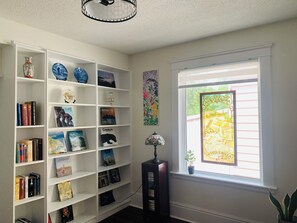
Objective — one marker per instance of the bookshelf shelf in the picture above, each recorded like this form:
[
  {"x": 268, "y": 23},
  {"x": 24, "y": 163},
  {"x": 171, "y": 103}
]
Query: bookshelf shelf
[
  {"x": 71, "y": 153},
  {"x": 117, "y": 165},
  {"x": 112, "y": 89},
  {"x": 111, "y": 126},
  {"x": 30, "y": 127},
  {"x": 67, "y": 104},
  {"x": 71, "y": 128},
  {"x": 70, "y": 83},
  {"x": 73, "y": 176},
  {"x": 29, "y": 163},
  {"x": 105, "y": 209},
  {"x": 112, "y": 147},
  {"x": 28, "y": 200},
  {"x": 113, "y": 186},
  {"x": 29, "y": 80}
]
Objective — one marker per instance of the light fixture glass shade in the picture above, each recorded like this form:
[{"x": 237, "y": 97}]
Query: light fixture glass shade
[
  {"x": 109, "y": 10},
  {"x": 155, "y": 140}
]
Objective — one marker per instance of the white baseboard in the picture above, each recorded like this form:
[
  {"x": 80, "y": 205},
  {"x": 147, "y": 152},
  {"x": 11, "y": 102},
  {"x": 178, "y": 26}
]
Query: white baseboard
[{"x": 195, "y": 214}]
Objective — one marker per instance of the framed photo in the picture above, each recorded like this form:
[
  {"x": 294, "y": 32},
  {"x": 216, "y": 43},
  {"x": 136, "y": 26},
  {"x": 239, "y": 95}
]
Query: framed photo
[
  {"x": 76, "y": 140},
  {"x": 109, "y": 136},
  {"x": 63, "y": 166},
  {"x": 64, "y": 116},
  {"x": 114, "y": 175},
  {"x": 106, "y": 79},
  {"x": 106, "y": 198},
  {"x": 103, "y": 179},
  {"x": 67, "y": 214},
  {"x": 107, "y": 116},
  {"x": 107, "y": 157}
]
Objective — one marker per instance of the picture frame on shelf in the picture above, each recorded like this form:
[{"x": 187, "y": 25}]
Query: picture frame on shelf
[
  {"x": 67, "y": 214},
  {"x": 108, "y": 157},
  {"x": 64, "y": 116},
  {"x": 114, "y": 175},
  {"x": 103, "y": 179},
  {"x": 76, "y": 140},
  {"x": 56, "y": 143},
  {"x": 108, "y": 116},
  {"x": 65, "y": 190},
  {"x": 109, "y": 136},
  {"x": 106, "y": 79},
  {"x": 106, "y": 198},
  {"x": 63, "y": 166}
]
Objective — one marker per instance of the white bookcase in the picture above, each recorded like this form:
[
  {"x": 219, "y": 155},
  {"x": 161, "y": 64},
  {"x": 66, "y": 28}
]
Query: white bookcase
[{"x": 86, "y": 164}]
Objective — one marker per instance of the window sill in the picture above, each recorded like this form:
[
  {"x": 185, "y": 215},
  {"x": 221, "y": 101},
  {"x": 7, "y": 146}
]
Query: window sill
[{"x": 223, "y": 182}]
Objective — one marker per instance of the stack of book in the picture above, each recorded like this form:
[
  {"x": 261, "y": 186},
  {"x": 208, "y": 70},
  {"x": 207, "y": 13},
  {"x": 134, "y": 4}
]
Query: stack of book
[
  {"x": 27, "y": 186},
  {"x": 29, "y": 150},
  {"x": 26, "y": 113}
]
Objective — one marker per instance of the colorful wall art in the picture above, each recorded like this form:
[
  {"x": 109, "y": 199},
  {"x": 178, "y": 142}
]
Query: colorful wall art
[
  {"x": 150, "y": 98},
  {"x": 218, "y": 127}
]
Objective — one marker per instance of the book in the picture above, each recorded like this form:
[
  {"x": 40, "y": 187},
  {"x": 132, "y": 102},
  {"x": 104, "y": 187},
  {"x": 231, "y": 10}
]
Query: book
[
  {"x": 63, "y": 166},
  {"x": 24, "y": 110},
  {"x": 109, "y": 136},
  {"x": 17, "y": 188},
  {"x": 65, "y": 190},
  {"x": 56, "y": 143},
  {"x": 31, "y": 185},
  {"x": 106, "y": 79},
  {"x": 107, "y": 157},
  {"x": 64, "y": 116},
  {"x": 29, "y": 112},
  {"x": 106, "y": 198},
  {"x": 76, "y": 140},
  {"x": 33, "y": 112},
  {"x": 19, "y": 114},
  {"x": 108, "y": 116},
  {"x": 29, "y": 151},
  {"x": 22, "y": 187},
  {"x": 49, "y": 219},
  {"x": 36, "y": 177},
  {"x": 102, "y": 179},
  {"x": 67, "y": 214},
  {"x": 114, "y": 175}
]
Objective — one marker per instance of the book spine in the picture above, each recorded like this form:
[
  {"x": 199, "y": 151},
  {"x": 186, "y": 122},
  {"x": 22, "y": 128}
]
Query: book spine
[
  {"x": 37, "y": 183},
  {"x": 33, "y": 111},
  {"x": 35, "y": 148},
  {"x": 19, "y": 114},
  {"x": 40, "y": 156},
  {"x": 31, "y": 186},
  {"x": 24, "y": 114},
  {"x": 17, "y": 188},
  {"x": 26, "y": 186},
  {"x": 22, "y": 187},
  {"x": 29, "y": 112},
  {"x": 22, "y": 155},
  {"x": 29, "y": 151},
  {"x": 17, "y": 154}
]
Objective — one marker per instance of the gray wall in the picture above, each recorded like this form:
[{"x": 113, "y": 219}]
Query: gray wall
[{"x": 204, "y": 202}]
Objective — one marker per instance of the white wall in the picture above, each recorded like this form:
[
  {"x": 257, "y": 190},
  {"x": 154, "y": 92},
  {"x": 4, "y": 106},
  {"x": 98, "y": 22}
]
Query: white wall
[
  {"x": 219, "y": 203},
  {"x": 35, "y": 37}
]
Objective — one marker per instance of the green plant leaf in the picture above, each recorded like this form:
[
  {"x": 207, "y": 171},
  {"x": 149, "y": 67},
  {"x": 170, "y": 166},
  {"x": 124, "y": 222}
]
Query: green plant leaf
[
  {"x": 286, "y": 203},
  {"x": 293, "y": 205},
  {"x": 277, "y": 205}
]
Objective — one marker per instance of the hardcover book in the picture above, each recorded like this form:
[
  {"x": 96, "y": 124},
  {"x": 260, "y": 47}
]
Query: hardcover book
[
  {"x": 107, "y": 116},
  {"x": 56, "y": 143},
  {"x": 103, "y": 179},
  {"x": 36, "y": 177},
  {"x": 109, "y": 136},
  {"x": 114, "y": 175},
  {"x": 65, "y": 191},
  {"x": 64, "y": 116},
  {"x": 107, "y": 157},
  {"x": 106, "y": 198},
  {"x": 106, "y": 79},
  {"x": 76, "y": 140},
  {"x": 67, "y": 214},
  {"x": 63, "y": 166}
]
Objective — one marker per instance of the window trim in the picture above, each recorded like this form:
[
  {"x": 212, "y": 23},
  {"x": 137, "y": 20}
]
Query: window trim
[{"x": 263, "y": 55}]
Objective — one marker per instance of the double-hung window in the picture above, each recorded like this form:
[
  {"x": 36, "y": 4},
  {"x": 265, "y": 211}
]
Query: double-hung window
[{"x": 224, "y": 115}]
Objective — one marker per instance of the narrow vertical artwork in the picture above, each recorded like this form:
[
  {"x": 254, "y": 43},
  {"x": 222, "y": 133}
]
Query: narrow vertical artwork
[
  {"x": 150, "y": 98},
  {"x": 218, "y": 127}
]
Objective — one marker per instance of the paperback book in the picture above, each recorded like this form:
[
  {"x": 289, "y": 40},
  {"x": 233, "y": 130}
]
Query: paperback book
[
  {"x": 114, "y": 175},
  {"x": 109, "y": 136},
  {"x": 107, "y": 116},
  {"x": 103, "y": 179},
  {"x": 65, "y": 191},
  {"x": 106, "y": 198},
  {"x": 107, "y": 157},
  {"x": 67, "y": 214},
  {"x": 106, "y": 79},
  {"x": 63, "y": 166},
  {"x": 56, "y": 143},
  {"x": 64, "y": 116},
  {"x": 76, "y": 140}
]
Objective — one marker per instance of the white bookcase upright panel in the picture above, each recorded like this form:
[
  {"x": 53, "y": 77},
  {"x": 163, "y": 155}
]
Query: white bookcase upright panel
[
  {"x": 84, "y": 162},
  {"x": 122, "y": 151}
]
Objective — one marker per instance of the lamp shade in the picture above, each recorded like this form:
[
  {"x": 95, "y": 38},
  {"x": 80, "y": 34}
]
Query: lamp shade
[
  {"x": 109, "y": 10},
  {"x": 155, "y": 140}
]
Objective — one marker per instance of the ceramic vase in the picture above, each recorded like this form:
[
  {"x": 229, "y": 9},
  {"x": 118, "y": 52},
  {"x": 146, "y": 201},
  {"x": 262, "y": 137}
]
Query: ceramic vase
[
  {"x": 28, "y": 67},
  {"x": 191, "y": 169}
]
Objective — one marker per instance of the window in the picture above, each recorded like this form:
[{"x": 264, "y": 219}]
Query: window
[{"x": 231, "y": 146}]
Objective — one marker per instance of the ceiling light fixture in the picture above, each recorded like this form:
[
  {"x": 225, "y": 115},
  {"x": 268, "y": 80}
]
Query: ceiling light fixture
[{"x": 109, "y": 10}]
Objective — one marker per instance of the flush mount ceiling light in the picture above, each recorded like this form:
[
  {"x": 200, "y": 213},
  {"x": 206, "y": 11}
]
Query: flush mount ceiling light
[{"x": 109, "y": 10}]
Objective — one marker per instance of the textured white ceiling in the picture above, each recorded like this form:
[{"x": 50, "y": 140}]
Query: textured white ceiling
[{"x": 158, "y": 23}]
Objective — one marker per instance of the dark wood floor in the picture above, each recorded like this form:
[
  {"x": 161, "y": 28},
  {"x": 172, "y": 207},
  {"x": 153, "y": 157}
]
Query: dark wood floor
[{"x": 133, "y": 215}]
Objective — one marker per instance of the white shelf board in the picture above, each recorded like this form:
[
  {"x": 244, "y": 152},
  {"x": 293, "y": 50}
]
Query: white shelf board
[
  {"x": 56, "y": 205},
  {"x": 71, "y": 104},
  {"x": 53, "y": 55},
  {"x": 69, "y": 83},
  {"x": 112, "y": 89},
  {"x": 28, "y": 200},
  {"x": 29, "y": 163},
  {"x": 104, "y": 209},
  {"x": 73, "y": 176},
  {"x": 71, "y": 128},
  {"x": 71, "y": 153},
  {"x": 29, "y": 80},
  {"x": 119, "y": 164},
  {"x": 113, "y": 186},
  {"x": 84, "y": 218},
  {"x": 112, "y": 147},
  {"x": 29, "y": 126},
  {"x": 114, "y": 106},
  {"x": 113, "y": 126}
]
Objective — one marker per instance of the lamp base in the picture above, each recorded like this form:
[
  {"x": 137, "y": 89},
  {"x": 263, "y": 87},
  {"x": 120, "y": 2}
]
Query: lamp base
[{"x": 155, "y": 160}]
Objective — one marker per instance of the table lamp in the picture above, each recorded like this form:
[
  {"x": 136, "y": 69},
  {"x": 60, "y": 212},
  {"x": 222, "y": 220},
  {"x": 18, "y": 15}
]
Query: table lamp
[{"x": 155, "y": 140}]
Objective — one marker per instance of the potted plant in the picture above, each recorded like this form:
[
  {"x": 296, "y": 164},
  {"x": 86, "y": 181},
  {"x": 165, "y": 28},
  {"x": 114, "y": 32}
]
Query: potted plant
[
  {"x": 190, "y": 158},
  {"x": 287, "y": 209}
]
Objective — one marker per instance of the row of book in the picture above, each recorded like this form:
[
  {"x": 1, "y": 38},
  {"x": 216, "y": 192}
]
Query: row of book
[
  {"x": 26, "y": 113},
  {"x": 112, "y": 176},
  {"x": 29, "y": 150},
  {"x": 27, "y": 186}
]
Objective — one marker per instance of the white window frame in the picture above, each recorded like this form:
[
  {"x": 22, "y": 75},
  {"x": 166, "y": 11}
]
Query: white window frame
[{"x": 263, "y": 55}]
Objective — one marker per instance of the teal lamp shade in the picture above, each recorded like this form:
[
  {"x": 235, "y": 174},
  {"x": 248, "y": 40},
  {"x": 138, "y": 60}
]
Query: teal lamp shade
[{"x": 155, "y": 140}]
